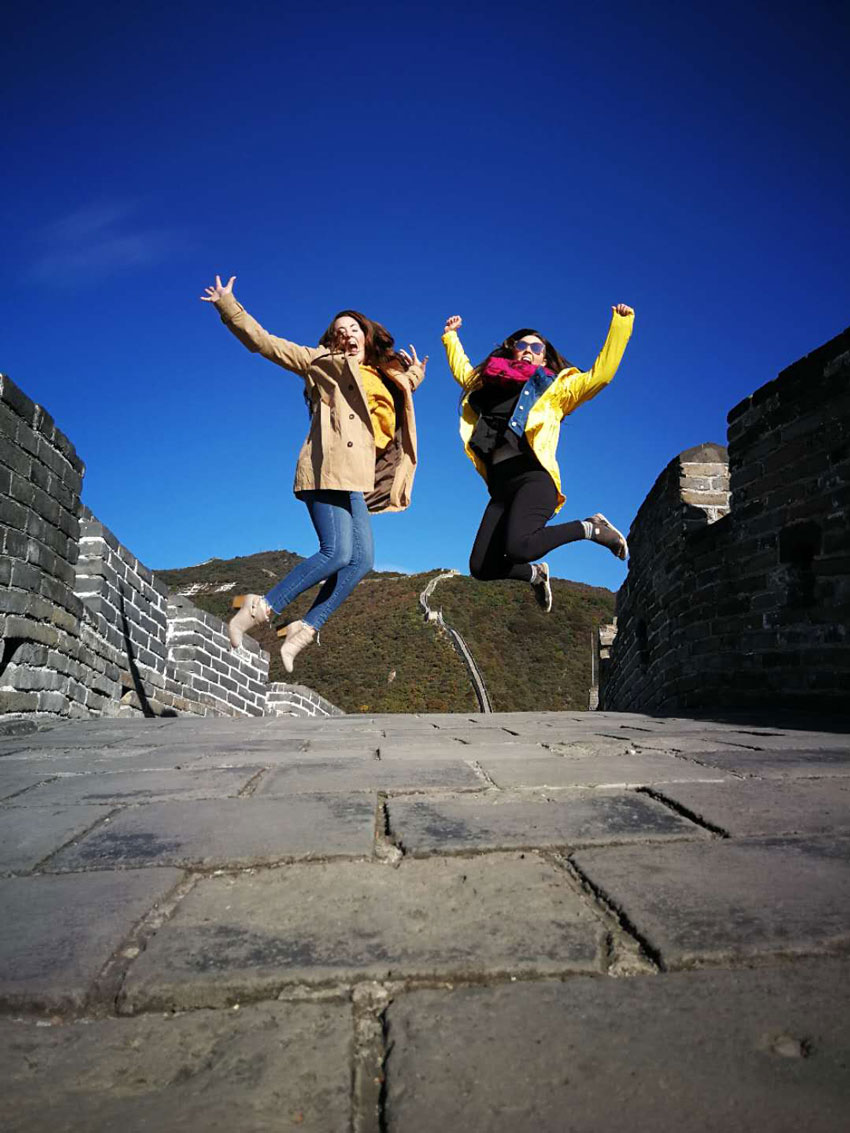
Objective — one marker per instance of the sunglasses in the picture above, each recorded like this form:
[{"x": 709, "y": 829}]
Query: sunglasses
[{"x": 534, "y": 347}]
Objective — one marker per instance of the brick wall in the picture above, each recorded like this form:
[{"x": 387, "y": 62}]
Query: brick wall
[
  {"x": 86, "y": 629},
  {"x": 296, "y": 700},
  {"x": 205, "y": 670},
  {"x": 745, "y": 599}
]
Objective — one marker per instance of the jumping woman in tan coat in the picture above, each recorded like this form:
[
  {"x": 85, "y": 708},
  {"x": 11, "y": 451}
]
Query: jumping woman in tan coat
[{"x": 359, "y": 455}]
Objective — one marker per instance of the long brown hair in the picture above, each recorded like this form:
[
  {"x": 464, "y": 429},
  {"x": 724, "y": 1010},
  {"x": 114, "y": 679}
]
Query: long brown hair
[
  {"x": 378, "y": 344},
  {"x": 553, "y": 359}
]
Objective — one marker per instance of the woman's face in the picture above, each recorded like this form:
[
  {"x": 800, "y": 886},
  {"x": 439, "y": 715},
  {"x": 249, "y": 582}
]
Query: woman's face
[
  {"x": 349, "y": 338},
  {"x": 530, "y": 348}
]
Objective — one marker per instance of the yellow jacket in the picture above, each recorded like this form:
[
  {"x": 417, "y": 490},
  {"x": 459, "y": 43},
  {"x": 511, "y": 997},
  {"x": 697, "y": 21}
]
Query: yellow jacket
[{"x": 567, "y": 391}]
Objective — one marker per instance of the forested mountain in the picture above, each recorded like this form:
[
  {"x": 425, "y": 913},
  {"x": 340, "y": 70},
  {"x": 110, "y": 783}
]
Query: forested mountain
[{"x": 378, "y": 654}]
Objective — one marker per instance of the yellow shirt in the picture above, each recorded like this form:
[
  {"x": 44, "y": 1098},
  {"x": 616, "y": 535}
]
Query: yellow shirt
[
  {"x": 570, "y": 389},
  {"x": 381, "y": 407}
]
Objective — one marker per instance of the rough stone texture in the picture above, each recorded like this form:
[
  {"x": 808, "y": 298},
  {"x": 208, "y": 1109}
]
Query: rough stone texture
[
  {"x": 221, "y": 832},
  {"x": 722, "y": 901},
  {"x": 780, "y": 764},
  {"x": 272, "y": 1066},
  {"x": 818, "y": 806},
  {"x": 501, "y": 821},
  {"x": 697, "y": 1051},
  {"x": 748, "y": 604},
  {"x": 598, "y": 771},
  {"x": 57, "y": 933},
  {"x": 27, "y": 838},
  {"x": 250, "y": 935},
  {"x": 352, "y": 774},
  {"x": 137, "y": 787},
  {"x": 498, "y": 971}
]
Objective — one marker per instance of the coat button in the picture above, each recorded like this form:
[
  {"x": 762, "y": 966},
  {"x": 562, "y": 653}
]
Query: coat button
[
  {"x": 351, "y": 444},
  {"x": 513, "y": 422},
  {"x": 351, "y": 388},
  {"x": 350, "y": 416}
]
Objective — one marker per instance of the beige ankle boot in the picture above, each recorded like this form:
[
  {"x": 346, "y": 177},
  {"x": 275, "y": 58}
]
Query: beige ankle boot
[
  {"x": 297, "y": 635},
  {"x": 253, "y": 611}
]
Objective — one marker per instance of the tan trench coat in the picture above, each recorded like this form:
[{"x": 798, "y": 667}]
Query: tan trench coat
[{"x": 339, "y": 452}]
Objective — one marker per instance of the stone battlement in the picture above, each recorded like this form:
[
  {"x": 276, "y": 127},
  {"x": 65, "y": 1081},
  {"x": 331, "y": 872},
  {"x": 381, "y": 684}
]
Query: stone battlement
[
  {"x": 738, "y": 591},
  {"x": 87, "y": 629}
]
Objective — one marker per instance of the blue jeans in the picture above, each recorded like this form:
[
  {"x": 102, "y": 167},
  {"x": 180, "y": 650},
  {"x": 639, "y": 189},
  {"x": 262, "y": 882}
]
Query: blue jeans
[{"x": 345, "y": 555}]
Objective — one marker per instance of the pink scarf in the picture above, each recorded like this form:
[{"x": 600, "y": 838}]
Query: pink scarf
[{"x": 507, "y": 373}]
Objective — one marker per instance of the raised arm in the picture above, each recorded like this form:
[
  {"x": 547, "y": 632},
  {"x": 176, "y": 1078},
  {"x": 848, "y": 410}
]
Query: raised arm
[
  {"x": 459, "y": 364},
  {"x": 414, "y": 375},
  {"x": 581, "y": 387},
  {"x": 251, "y": 334}
]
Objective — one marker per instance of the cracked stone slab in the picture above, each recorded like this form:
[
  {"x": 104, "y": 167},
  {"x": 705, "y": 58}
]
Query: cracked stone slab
[
  {"x": 26, "y": 839},
  {"x": 355, "y": 774},
  {"x": 756, "y": 807},
  {"x": 56, "y": 933},
  {"x": 270, "y": 1066},
  {"x": 442, "y": 749},
  {"x": 729, "y": 900},
  {"x": 227, "y": 832},
  {"x": 343, "y": 746},
  {"x": 139, "y": 786},
  {"x": 344, "y": 921},
  {"x": 75, "y": 762},
  {"x": 19, "y": 775},
  {"x": 595, "y": 771},
  {"x": 789, "y": 763},
  {"x": 697, "y": 1051},
  {"x": 694, "y": 744},
  {"x": 501, "y": 821}
]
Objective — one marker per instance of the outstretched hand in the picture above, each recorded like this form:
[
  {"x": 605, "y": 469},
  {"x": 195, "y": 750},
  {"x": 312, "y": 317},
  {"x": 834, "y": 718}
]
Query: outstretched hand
[
  {"x": 452, "y": 323},
  {"x": 213, "y": 294},
  {"x": 414, "y": 360},
  {"x": 623, "y": 309}
]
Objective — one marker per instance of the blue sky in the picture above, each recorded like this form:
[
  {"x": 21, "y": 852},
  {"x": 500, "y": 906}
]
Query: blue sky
[{"x": 518, "y": 165}]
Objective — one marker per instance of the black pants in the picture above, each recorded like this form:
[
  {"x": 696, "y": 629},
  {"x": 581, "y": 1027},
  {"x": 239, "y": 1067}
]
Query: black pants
[{"x": 513, "y": 531}]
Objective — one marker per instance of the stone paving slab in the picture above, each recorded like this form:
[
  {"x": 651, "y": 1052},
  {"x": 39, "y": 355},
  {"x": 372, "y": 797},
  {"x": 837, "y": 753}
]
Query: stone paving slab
[
  {"x": 353, "y": 774},
  {"x": 27, "y": 837},
  {"x": 139, "y": 786},
  {"x": 694, "y": 744},
  {"x": 357, "y": 748},
  {"x": 56, "y": 933},
  {"x": 227, "y": 832},
  {"x": 780, "y": 764},
  {"x": 249, "y": 935},
  {"x": 595, "y": 771},
  {"x": 264, "y": 1067},
  {"x": 729, "y": 901},
  {"x": 502, "y": 821},
  {"x": 415, "y": 752},
  {"x": 751, "y": 807},
  {"x": 20, "y": 776},
  {"x": 696, "y": 1052},
  {"x": 98, "y": 760}
]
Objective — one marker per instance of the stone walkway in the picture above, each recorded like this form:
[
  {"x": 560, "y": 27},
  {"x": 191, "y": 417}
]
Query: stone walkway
[{"x": 511, "y": 922}]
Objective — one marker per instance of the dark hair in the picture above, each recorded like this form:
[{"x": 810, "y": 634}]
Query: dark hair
[
  {"x": 378, "y": 345},
  {"x": 553, "y": 359}
]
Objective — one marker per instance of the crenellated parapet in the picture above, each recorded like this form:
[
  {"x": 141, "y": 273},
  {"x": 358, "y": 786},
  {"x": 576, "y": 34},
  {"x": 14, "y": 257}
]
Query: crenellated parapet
[
  {"x": 85, "y": 628},
  {"x": 738, "y": 591}
]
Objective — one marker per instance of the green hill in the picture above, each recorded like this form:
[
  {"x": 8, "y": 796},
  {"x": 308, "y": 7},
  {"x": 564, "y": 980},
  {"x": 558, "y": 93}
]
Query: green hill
[{"x": 378, "y": 654}]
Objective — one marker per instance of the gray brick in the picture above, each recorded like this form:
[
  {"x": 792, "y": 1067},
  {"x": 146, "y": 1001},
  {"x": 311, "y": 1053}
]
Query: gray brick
[{"x": 17, "y": 400}]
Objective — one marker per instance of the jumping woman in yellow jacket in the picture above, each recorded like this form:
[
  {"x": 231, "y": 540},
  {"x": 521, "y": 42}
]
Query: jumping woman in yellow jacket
[
  {"x": 511, "y": 412},
  {"x": 359, "y": 455}
]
